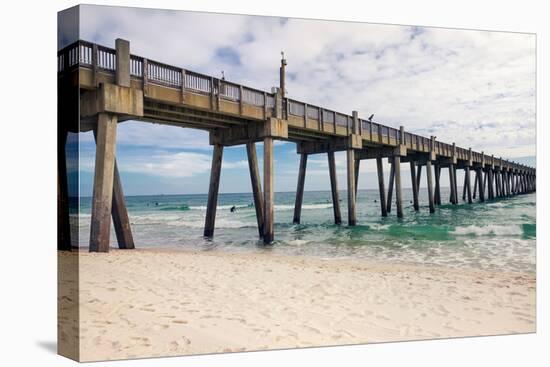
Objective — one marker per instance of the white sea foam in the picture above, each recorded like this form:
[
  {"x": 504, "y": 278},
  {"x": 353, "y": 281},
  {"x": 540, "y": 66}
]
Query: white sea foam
[
  {"x": 379, "y": 227},
  {"x": 509, "y": 230},
  {"x": 298, "y": 242},
  {"x": 220, "y": 207},
  {"x": 220, "y": 223},
  {"x": 305, "y": 206}
]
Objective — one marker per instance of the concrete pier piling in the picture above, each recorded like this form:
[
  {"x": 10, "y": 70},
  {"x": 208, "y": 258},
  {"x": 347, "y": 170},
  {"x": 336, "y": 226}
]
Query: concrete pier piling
[
  {"x": 334, "y": 188},
  {"x": 63, "y": 227},
  {"x": 437, "y": 194},
  {"x": 352, "y": 215},
  {"x": 398, "y": 197},
  {"x": 381, "y": 188},
  {"x": 256, "y": 186},
  {"x": 390, "y": 187},
  {"x": 415, "y": 183},
  {"x": 100, "y": 225},
  {"x": 467, "y": 184},
  {"x": 213, "y": 189},
  {"x": 300, "y": 188},
  {"x": 430, "y": 186},
  {"x": 269, "y": 219}
]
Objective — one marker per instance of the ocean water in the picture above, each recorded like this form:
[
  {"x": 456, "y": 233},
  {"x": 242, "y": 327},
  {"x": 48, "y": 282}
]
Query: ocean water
[{"x": 495, "y": 235}]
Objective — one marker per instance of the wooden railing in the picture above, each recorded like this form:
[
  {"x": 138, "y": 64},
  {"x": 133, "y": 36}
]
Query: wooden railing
[{"x": 87, "y": 54}]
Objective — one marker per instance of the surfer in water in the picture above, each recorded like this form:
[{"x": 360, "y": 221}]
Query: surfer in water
[{"x": 233, "y": 209}]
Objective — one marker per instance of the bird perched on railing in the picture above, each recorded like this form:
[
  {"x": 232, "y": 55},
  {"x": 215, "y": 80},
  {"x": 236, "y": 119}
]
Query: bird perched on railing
[
  {"x": 223, "y": 75},
  {"x": 371, "y": 117}
]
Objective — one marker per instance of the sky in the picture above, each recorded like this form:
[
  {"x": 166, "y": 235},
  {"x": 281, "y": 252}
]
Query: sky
[{"x": 475, "y": 88}]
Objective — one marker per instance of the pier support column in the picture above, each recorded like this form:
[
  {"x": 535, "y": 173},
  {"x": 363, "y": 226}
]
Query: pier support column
[
  {"x": 496, "y": 180},
  {"x": 468, "y": 186},
  {"x": 398, "y": 197},
  {"x": 102, "y": 201},
  {"x": 498, "y": 184},
  {"x": 357, "y": 165},
  {"x": 452, "y": 183},
  {"x": 437, "y": 194},
  {"x": 494, "y": 183},
  {"x": 119, "y": 212},
  {"x": 490, "y": 188},
  {"x": 390, "y": 187},
  {"x": 63, "y": 223},
  {"x": 418, "y": 176},
  {"x": 455, "y": 180},
  {"x": 300, "y": 188},
  {"x": 464, "y": 187},
  {"x": 484, "y": 188},
  {"x": 213, "y": 189},
  {"x": 430, "y": 186},
  {"x": 256, "y": 185},
  {"x": 268, "y": 191},
  {"x": 334, "y": 188},
  {"x": 491, "y": 192},
  {"x": 414, "y": 184},
  {"x": 475, "y": 184},
  {"x": 481, "y": 185},
  {"x": 352, "y": 218},
  {"x": 381, "y": 188}
]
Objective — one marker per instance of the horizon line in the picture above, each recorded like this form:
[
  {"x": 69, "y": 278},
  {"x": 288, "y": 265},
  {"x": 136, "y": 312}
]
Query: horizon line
[{"x": 250, "y": 192}]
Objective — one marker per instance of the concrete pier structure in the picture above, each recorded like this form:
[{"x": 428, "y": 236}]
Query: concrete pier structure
[{"x": 113, "y": 86}]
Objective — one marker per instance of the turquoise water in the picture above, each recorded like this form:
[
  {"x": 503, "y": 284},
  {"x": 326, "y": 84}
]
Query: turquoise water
[{"x": 498, "y": 235}]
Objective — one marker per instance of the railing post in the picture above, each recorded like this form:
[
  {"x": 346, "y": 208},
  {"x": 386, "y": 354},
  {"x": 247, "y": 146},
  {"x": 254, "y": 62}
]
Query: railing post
[
  {"x": 265, "y": 105},
  {"x": 212, "y": 94},
  {"x": 94, "y": 64},
  {"x": 145, "y": 75},
  {"x": 122, "y": 74},
  {"x": 182, "y": 85},
  {"x": 355, "y": 123},
  {"x": 278, "y": 103},
  {"x": 240, "y": 99}
]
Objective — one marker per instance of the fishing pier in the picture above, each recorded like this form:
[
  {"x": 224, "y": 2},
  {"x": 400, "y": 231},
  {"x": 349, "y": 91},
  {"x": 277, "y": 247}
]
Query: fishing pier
[{"x": 99, "y": 87}]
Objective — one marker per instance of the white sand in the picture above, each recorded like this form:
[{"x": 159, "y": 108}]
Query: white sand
[{"x": 143, "y": 303}]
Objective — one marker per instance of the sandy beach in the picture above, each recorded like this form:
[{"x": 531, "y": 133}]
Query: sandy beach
[{"x": 144, "y": 303}]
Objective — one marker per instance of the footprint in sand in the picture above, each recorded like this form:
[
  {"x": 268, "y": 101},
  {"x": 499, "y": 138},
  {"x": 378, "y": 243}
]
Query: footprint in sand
[
  {"x": 441, "y": 311},
  {"x": 239, "y": 319},
  {"x": 382, "y": 317},
  {"x": 174, "y": 346},
  {"x": 179, "y": 321},
  {"x": 160, "y": 327},
  {"x": 317, "y": 331},
  {"x": 147, "y": 309}
]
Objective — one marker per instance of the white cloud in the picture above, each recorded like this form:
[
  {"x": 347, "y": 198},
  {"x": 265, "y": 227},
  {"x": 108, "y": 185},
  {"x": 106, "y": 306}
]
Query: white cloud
[
  {"x": 181, "y": 164},
  {"x": 475, "y": 88}
]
